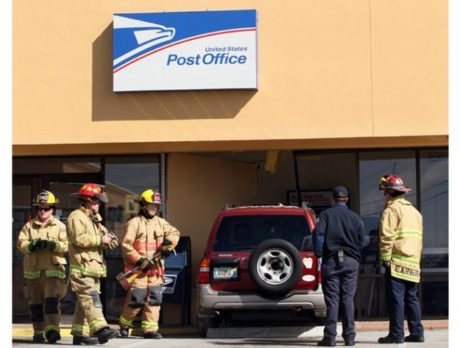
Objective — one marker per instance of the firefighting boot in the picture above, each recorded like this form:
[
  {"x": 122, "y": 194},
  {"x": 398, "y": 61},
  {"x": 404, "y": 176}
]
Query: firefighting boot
[
  {"x": 52, "y": 336},
  {"x": 84, "y": 341},
  {"x": 124, "y": 332},
  {"x": 105, "y": 334},
  {"x": 38, "y": 338},
  {"x": 153, "y": 335}
]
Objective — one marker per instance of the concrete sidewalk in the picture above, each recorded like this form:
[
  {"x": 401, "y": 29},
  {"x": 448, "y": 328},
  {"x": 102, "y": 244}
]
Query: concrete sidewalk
[
  {"x": 22, "y": 330},
  {"x": 438, "y": 338}
]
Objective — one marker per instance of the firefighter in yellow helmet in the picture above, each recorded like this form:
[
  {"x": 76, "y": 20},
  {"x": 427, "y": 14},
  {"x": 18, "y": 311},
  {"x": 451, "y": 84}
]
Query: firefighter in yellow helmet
[
  {"x": 146, "y": 234},
  {"x": 43, "y": 242},
  {"x": 88, "y": 238}
]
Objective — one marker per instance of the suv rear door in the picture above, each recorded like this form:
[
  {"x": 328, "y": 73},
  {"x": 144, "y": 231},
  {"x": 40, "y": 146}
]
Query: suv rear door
[{"x": 238, "y": 232}]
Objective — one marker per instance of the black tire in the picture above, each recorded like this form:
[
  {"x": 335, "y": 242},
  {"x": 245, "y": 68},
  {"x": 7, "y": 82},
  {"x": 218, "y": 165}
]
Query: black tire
[
  {"x": 275, "y": 267},
  {"x": 205, "y": 323}
]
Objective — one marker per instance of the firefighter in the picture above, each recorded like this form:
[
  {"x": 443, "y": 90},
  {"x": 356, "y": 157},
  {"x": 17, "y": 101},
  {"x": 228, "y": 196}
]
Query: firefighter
[
  {"x": 43, "y": 242},
  {"x": 88, "y": 238},
  {"x": 146, "y": 234},
  {"x": 401, "y": 237}
]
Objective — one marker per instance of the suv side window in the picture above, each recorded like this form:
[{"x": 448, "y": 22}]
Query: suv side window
[{"x": 245, "y": 232}]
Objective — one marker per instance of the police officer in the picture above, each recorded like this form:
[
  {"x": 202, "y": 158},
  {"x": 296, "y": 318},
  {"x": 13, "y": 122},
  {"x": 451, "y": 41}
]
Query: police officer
[
  {"x": 88, "y": 239},
  {"x": 401, "y": 237},
  {"x": 146, "y": 234},
  {"x": 338, "y": 238},
  {"x": 43, "y": 242}
]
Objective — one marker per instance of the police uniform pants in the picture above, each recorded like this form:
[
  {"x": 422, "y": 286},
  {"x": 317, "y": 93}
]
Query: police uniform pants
[
  {"x": 43, "y": 296},
  {"x": 88, "y": 317},
  {"x": 402, "y": 296},
  {"x": 339, "y": 287},
  {"x": 145, "y": 294}
]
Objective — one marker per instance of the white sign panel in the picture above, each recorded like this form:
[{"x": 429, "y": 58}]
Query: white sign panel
[{"x": 185, "y": 51}]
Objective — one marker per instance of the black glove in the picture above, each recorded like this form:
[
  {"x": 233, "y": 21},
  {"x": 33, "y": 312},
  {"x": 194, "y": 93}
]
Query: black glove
[
  {"x": 33, "y": 245},
  {"x": 144, "y": 264},
  {"x": 166, "y": 245},
  {"x": 147, "y": 267},
  {"x": 51, "y": 245},
  {"x": 166, "y": 253},
  {"x": 141, "y": 261},
  {"x": 42, "y": 244}
]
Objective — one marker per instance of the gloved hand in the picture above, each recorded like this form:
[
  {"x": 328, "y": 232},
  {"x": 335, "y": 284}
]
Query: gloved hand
[
  {"x": 144, "y": 264},
  {"x": 42, "y": 244},
  {"x": 51, "y": 245},
  {"x": 167, "y": 245},
  {"x": 33, "y": 245},
  {"x": 386, "y": 264}
]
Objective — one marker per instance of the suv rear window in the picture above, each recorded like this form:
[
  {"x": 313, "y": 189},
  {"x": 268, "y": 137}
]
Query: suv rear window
[{"x": 245, "y": 232}]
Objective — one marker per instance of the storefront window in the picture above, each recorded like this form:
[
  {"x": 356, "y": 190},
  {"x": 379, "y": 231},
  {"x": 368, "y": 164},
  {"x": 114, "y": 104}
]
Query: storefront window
[
  {"x": 434, "y": 198},
  {"x": 372, "y": 165},
  {"x": 57, "y": 165},
  {"x": 125, "y": 179},
  {"x": 435, "y": 210}
]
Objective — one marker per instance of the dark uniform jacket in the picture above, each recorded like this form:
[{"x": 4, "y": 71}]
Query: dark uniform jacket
[{"x": 339, "y": 228}]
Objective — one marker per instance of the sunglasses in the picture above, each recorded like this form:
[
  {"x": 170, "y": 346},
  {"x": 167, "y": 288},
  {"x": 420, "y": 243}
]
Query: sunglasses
[{"x": 44, "y": 208}]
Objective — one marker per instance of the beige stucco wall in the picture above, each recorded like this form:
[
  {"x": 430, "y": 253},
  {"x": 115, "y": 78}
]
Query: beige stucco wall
[
  {"x": 198, "y": 187},
  {"x": 327, "y": 70}
]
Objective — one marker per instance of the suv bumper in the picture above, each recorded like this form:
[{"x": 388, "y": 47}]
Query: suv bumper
[{"x": 211, "y": 302}]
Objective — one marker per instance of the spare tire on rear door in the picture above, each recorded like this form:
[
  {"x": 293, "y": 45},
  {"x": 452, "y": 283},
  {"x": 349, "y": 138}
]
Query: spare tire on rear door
[{"x": 275, "y": 266}]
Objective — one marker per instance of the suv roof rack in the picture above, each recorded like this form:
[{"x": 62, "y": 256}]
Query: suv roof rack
[{"x": 229, "y": 206}]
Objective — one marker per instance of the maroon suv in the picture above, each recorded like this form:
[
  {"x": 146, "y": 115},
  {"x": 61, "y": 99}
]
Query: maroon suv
[{"x": 259, "y": 258}]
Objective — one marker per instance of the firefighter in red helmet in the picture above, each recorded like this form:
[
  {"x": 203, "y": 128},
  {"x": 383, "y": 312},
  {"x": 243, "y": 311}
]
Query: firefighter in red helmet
[
  {"x": 88, "y": 239},
  {"x": 43, "y": 242},
  {"x": 401, "y": 239}
]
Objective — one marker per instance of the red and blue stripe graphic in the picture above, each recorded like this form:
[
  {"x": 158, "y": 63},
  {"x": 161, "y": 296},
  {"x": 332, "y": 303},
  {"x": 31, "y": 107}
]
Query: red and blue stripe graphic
[{"x": 140, "y": 35}]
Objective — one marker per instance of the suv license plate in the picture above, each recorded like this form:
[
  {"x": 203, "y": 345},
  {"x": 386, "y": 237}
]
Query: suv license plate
[{"x": 225, "y": 272}]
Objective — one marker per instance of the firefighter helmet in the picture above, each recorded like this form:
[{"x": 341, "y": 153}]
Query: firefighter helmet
[
  {"x": 391, "y": 183},
  {"x": 88, "y": 191},
  {"x": 46, "y": 197},
  {"x": 150, "y": 197}
]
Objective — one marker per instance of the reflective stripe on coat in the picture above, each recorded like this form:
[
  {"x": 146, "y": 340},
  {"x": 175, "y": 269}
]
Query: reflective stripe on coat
[
  {"x": 401, "y": 239},
  {"x": 143, "y": 238},
  {"x": 85, "y": 249},
  {"x": 50, "y": 262}
]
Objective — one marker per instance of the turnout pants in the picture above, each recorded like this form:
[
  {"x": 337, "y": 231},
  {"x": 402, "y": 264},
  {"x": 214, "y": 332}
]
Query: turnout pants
[
  {"x": 43, "y": 296},
  {"x": 88, "y": 317},
  {"x": 145, "y": 294},
  {"x": 339, "y": 287},
  {"x": 402, "y": 297}
]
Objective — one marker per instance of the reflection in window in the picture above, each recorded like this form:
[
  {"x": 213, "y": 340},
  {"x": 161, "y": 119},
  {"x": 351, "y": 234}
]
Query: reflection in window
[
  {"x": 125, "y": 179},
  {"x": 434, "y": 199},
  {"x": 56, "y": 165},
  {"x": 372, "y": 165}
]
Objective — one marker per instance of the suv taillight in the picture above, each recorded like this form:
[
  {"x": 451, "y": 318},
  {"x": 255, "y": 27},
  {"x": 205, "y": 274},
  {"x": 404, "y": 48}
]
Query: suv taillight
[{"x": 203, "y": 274}]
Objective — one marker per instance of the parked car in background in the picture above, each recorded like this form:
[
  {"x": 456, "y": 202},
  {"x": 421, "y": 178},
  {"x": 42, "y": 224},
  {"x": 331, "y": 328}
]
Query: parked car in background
[{"x": 259, "y": 259}]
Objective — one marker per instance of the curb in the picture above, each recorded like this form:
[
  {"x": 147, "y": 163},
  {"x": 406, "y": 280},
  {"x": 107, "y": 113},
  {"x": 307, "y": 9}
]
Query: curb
[{"x": 25, "y": 330}]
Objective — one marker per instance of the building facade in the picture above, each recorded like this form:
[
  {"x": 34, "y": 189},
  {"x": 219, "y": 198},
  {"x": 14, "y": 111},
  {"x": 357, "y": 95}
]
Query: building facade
[{"x": 345, "y": 94}]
